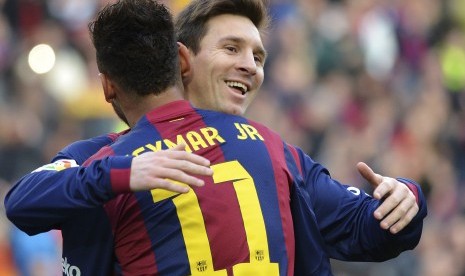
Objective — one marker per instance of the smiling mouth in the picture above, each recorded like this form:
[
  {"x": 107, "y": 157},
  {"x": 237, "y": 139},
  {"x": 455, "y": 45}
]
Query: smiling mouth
[{"x": 237, "y": 85}]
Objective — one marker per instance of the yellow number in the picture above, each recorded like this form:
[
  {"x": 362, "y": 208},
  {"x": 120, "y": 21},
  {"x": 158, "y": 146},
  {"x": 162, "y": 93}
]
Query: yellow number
[{"x": 193, "y": 224}]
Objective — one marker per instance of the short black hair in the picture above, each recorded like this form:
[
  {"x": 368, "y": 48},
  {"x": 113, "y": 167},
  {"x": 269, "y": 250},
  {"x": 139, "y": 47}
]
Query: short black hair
[{"x": 136, "y": 45}]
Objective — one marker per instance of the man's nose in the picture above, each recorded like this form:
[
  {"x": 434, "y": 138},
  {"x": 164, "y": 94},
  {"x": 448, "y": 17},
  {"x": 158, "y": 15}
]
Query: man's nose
[{"x": 248, "y": 63}]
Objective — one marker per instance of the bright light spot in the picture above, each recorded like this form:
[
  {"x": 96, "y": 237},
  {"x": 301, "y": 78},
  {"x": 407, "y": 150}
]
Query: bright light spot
[{"x": 41, "y": 58}]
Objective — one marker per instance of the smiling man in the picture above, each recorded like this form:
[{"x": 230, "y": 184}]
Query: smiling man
[{"x": 227, "y": 67}]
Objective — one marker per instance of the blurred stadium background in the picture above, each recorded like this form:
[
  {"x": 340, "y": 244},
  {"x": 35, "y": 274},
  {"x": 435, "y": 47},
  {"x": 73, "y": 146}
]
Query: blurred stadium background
[{"x": 380, "y": 81}]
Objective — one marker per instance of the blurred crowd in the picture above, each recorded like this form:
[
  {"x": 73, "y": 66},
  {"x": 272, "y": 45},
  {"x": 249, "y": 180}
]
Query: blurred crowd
[{"x": 380, "y": 81}]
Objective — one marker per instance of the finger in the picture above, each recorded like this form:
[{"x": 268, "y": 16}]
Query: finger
[
  {"x": 395, "y": 211},
  {"x": 185, "y": 166},
  {"x": 390, "y": 203},
  {"x": 180, "y": 182},
  {"x": 402, "y": 223},
  {"x": 169, "y": 185},
  {"x": 181, "y": 176},
  {"x": 393, "y": 192},
  {"x": 191, "y": 157},
  {"x": 387, "y": 187},
  {"x": 366, "y": 172}
]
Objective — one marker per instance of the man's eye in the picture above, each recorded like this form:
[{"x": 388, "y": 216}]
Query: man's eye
[{"x": 231, "y": 48}]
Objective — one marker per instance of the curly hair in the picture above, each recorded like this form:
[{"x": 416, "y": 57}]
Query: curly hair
[{"x": 136, "y": 45}]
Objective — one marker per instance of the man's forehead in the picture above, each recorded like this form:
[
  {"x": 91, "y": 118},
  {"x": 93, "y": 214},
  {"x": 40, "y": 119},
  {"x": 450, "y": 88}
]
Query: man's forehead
[
  {"x": 230, "y": 24},
  {"x": 233, "y": 27}
]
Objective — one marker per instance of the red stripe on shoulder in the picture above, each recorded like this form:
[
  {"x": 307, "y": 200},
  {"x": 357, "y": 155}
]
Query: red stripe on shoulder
[
  {"x": 113, "y": 136},
  {"x": 103, "y": 152},
  {"x": 294, "y": 153}
]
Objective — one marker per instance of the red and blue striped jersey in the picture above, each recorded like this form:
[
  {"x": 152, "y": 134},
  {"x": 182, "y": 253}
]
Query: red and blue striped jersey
[
  {"x": 240, "y": 222},
  {"x": 269, "y": 209}
]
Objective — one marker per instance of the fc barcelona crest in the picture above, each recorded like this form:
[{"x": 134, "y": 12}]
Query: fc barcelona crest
[
  {"x": 259, "y": 255},
  {"x": 201, "y": 266}
]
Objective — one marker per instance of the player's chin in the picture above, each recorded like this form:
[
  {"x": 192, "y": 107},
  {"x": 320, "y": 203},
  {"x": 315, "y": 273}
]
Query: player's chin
[
  {"x": 232, "y": 107},
  {"x": 236, "y": 110}
]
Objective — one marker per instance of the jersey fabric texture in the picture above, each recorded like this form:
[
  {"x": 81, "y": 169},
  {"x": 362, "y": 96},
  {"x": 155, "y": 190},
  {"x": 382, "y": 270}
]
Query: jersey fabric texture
[{"x": 269, "y": 209}]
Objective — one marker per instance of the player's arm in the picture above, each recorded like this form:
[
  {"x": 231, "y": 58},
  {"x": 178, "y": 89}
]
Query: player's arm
[
  {"x": 45, "y": 198},
  {"x": 31, "y": 203},
  {"x": 346, "y": 218}
]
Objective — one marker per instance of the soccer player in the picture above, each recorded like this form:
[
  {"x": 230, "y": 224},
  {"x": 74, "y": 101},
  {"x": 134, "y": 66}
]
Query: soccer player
[{"x": 327, "y": 215}]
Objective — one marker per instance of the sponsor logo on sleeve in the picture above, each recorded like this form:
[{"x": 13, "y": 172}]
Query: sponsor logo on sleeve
[{"x": 58, "y": 165}]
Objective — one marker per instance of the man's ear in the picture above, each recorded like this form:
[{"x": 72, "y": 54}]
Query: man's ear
[
  {"x": 108, "y": 88},
  {"x": 184, "y": 59}
]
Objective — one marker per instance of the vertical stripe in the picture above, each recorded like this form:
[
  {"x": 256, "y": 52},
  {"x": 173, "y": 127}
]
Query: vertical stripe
[
  {"x": 193, "y": 227},
  {"x": 164, "y": 227},
  {"x": 295, "y": 155},
  {"x": 132, "y": 240},
  {"x": 250, "y": 207},
  {"x": 253, "y": 219},
  {"x": 275, "y": 147},
  {"x": 125, "y": 251}
]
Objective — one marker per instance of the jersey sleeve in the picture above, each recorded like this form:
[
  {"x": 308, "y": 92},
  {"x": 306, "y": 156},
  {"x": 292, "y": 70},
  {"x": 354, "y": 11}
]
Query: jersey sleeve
[
  {"x": 45, "y": 198},
  {"x": 344, "y": 216},
  {"x": 82, "y": 150}
]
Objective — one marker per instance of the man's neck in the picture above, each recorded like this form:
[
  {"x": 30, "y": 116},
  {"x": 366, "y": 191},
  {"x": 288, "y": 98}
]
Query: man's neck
[{"x": 135, "y": 109}]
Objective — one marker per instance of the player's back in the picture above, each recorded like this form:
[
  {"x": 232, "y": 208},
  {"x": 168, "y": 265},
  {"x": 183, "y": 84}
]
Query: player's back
[{"x": 239, "y": 222}]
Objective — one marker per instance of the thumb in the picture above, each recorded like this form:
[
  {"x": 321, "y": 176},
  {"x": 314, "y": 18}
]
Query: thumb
[{"x": 373, "y": 178}]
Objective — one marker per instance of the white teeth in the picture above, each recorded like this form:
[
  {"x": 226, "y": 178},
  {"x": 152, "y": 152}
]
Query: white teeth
[{"x": 235, "y": 84}]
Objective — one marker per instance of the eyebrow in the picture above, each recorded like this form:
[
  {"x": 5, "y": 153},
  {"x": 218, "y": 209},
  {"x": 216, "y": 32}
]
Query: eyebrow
[{"x": 260, "y": 50}]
